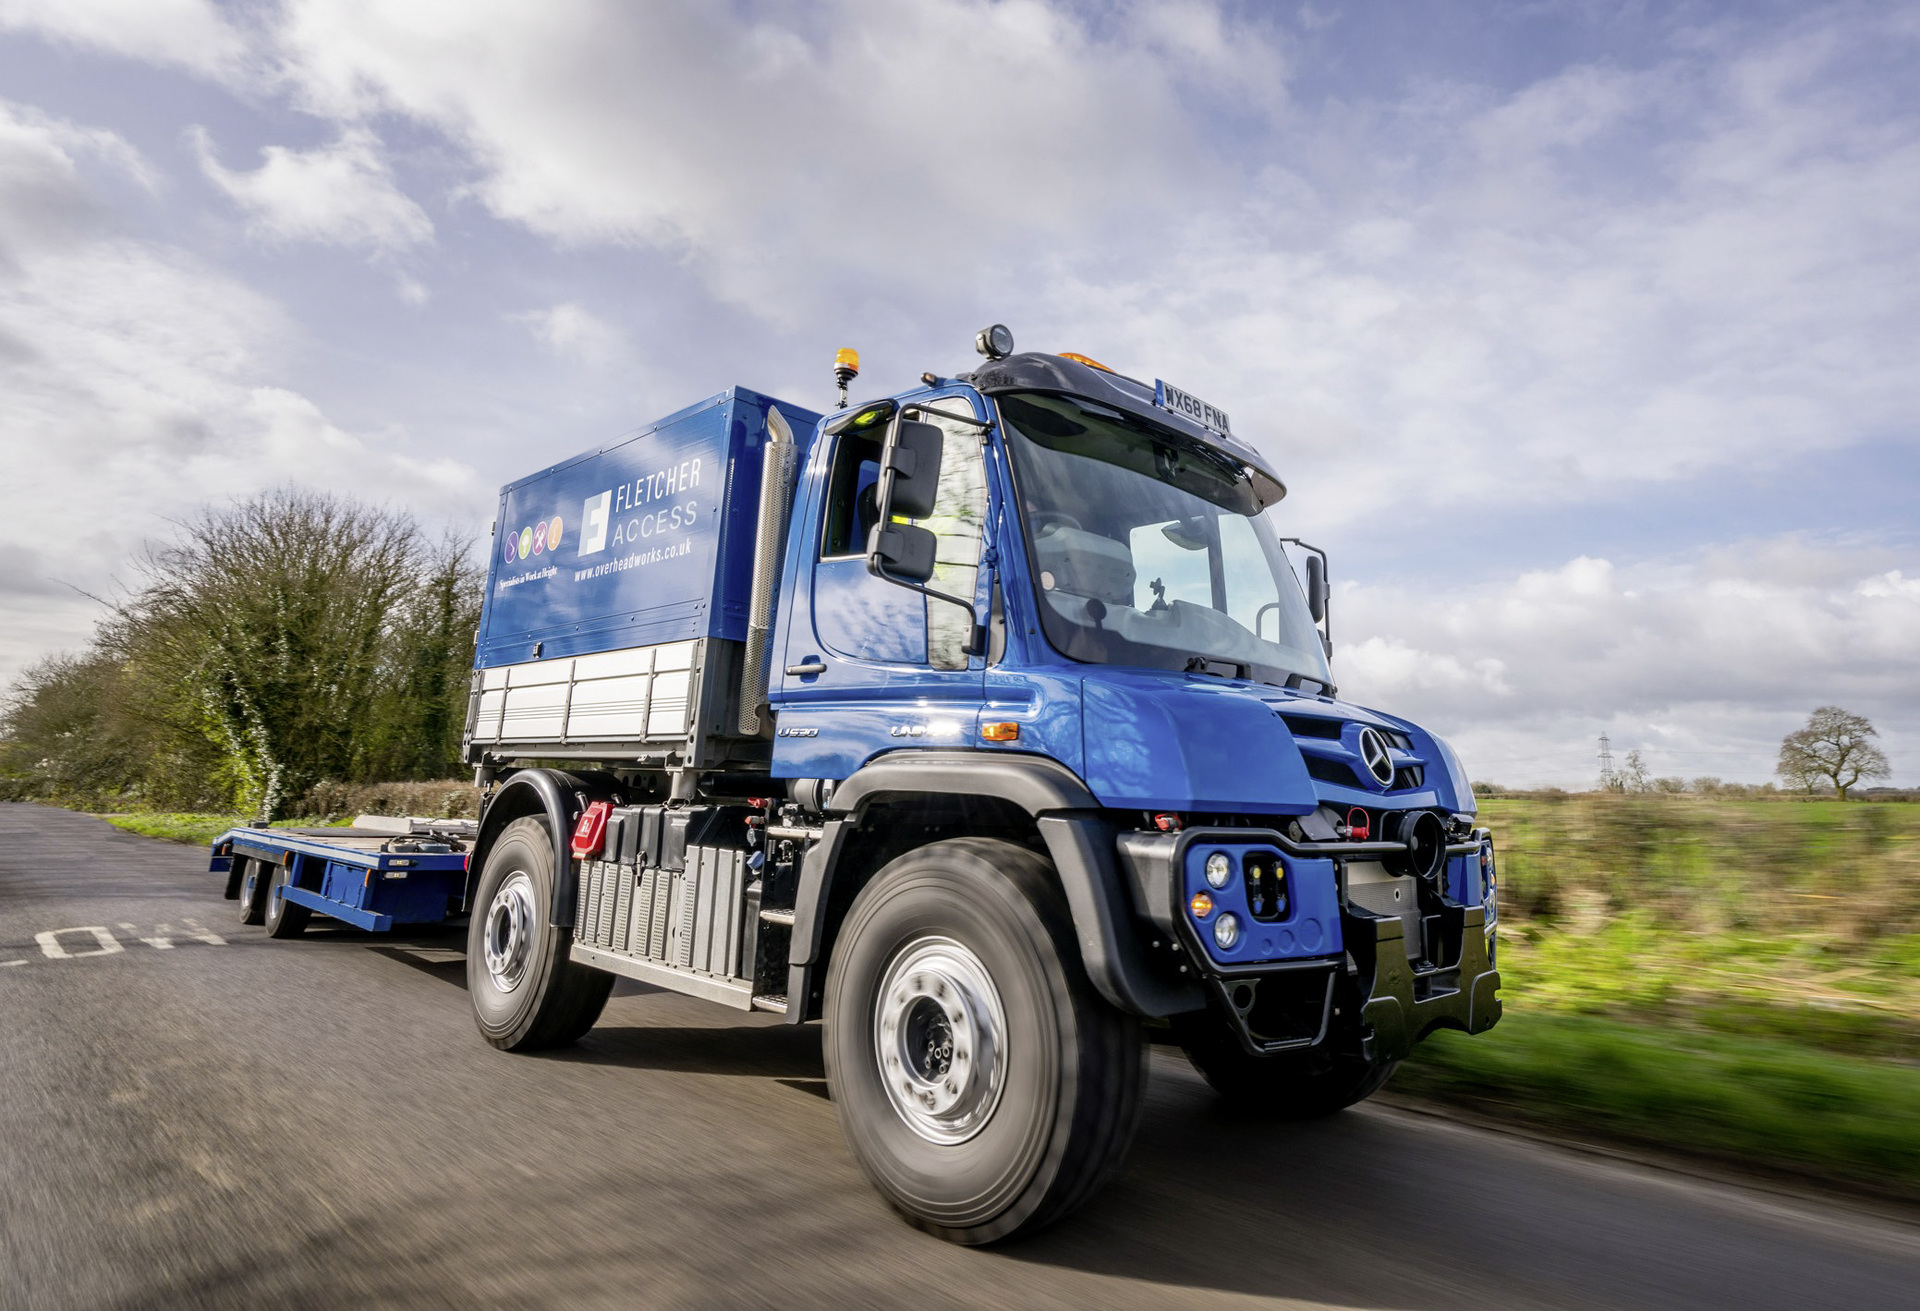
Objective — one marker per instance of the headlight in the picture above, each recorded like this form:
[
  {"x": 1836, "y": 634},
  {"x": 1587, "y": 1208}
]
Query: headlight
[
  {"x": 1219, "y": 869},
  {"x": 1226, "y": 932}
]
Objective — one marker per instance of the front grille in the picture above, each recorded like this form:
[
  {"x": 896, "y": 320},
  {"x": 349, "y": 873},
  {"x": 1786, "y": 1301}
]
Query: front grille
[
  {"x": 1331, "y": 771},
  {"x": 1313, "y": 726},
  {"x": 1409, "y": 776}
]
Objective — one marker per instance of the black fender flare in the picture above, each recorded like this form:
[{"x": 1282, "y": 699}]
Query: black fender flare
[
  {"x": 1078, "y": 837},
  {"x": 561, "y": 798}
]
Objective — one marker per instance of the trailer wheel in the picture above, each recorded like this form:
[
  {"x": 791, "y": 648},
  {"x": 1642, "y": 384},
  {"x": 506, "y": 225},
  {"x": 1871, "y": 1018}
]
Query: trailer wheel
[
  {"x": 283, "y": 918},
  {"x": 252, "y": 892},
  {"x": 526, "y": 993},
  {"x": 236, "y": 873},
  {"x": 1289, "y": 1086},
  {"x": 982, "y": 1083}
]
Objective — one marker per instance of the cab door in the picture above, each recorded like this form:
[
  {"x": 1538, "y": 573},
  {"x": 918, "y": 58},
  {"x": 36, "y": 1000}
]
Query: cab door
[{"x": 867, "y": 665}]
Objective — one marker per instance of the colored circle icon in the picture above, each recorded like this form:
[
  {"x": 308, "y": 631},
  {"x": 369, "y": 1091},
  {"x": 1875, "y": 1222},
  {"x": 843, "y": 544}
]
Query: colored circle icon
[
  {"x": 553, "y": 533},
  {"x": 512, "y": 543},
  {"x": 540, "y": 537},
  {"x": 526, "y": 542}
]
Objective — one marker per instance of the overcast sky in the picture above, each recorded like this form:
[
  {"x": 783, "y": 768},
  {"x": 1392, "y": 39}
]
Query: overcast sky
[{"x": 1584, "y": 333}]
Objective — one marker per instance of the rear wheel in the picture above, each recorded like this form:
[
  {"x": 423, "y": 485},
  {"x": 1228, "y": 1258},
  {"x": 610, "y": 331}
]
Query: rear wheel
[
  {"x": 983, "y": 1085},
  {"x": 252, "y": 892},
  {"x": 1288, "y": 1086},
  {"x": 283, "y": 918},
  {"x": 527, "y": 994}
]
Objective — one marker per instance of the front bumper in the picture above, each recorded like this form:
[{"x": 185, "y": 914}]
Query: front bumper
[
  {"x": 1405, "y": 1001},
  {"x": 1347, "y": 981}
]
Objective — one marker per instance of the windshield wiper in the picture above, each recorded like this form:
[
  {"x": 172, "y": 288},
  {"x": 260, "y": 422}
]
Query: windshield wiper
[{"x": 1200, "y": 664}]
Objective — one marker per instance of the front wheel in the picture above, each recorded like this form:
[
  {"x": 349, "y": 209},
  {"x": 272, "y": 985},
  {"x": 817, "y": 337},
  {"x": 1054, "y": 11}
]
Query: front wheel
[
  {"x": 982, "y": 1084},
  {"x": 527, "y": 994},
  {"x": 1287, "y": 1086}
]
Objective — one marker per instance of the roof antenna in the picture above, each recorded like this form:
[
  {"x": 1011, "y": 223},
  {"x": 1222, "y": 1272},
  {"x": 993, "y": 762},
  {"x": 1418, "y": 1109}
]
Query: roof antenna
[{"x": 846, "y": 367}]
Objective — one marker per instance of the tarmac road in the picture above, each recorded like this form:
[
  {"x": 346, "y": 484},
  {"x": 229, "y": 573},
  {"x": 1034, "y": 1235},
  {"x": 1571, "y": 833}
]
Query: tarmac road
[{"x": 229, "y": 1120}]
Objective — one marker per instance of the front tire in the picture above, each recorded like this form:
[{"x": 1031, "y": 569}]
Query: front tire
[
  {"x": 982, "y": 1083},
  {"x": 1288, "y": 1086},
  {"x": 527, "y": 994}
]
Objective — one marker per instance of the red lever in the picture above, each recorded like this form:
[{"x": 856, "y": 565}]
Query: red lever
[
  {"x": 590, "y": 832},
  {"x": 1358, "y": 829}
]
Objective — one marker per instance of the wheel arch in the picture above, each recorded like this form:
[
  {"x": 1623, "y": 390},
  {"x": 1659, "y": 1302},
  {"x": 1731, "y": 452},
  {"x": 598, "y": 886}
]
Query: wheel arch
[
  {"x": 1030, "y": 799},
  {"x": 557, "y": 796}
]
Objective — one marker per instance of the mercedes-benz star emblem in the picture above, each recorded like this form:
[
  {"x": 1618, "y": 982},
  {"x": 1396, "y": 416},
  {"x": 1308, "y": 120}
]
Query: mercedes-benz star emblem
[{"x": 1373, "y": 753}]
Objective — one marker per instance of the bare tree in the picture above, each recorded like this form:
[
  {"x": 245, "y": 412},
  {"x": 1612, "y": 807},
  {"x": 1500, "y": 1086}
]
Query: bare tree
[
  {"x": 1633, "y": 774},
  {"x": 1833, "y": 750}
]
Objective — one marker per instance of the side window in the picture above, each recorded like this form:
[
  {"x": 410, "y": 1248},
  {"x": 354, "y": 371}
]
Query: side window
[
  {"x": 957, "y": 523},
  {"x": 852, "y": 491}
]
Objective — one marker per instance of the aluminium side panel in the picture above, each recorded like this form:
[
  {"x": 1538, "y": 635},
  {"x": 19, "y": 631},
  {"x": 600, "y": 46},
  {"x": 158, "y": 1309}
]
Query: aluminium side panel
[{"x": 618, "y": 587}]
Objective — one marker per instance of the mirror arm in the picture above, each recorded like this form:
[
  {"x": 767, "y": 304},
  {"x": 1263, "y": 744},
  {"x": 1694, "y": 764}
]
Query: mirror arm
[
  {"x": 977, "y": 634},
  {"x": 1326, "y": 605}
]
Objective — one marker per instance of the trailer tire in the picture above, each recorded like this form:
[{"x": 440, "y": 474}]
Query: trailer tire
[
  {"x": 972, "y": 936},
  {"x": 527, "y": 994},
  {"x": 283, "y": 918},
  {"x": 252, "y": 892},
  {"x": 1288, "y": 1086}
]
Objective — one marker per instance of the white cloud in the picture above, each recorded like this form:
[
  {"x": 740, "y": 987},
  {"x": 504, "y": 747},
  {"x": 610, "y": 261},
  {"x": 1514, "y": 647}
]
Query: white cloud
[
  {"x": 1703, "y": 664},
  {"x": 190, "y": 33},
  {"x": 136, "y": 382},
  {"x": 572, "y": 330},
  {"x": 876, "y": 143},
  {"x": 341, "y": 194}
]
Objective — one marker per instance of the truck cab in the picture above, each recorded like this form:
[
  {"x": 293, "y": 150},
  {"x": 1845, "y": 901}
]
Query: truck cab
[{"x": 990, "y": 722}]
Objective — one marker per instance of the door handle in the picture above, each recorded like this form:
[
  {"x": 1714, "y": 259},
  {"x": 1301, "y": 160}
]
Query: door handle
[{"x": 808, "y": 669}]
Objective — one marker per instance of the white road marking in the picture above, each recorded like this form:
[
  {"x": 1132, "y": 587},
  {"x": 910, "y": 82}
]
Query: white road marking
[
  {"x": 164, "y": 937},
  {"x": 51, "y": 947}
]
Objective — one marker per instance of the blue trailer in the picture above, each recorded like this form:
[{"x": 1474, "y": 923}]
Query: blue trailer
[
  {"x": 990, "y": 722},
  {"x": 374, "y": 876}
]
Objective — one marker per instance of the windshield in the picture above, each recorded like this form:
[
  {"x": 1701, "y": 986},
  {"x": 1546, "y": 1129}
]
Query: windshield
[{"x": 1151, "y": 549}]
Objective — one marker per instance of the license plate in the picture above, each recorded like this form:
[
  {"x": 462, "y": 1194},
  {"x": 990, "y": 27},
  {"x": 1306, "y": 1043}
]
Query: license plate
[{"x": 1189, "y": 406}]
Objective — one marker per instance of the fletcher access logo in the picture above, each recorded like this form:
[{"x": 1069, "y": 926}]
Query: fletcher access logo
[
  {"x": 535, "y": 540},
  {"x": 593, "y": 527}
]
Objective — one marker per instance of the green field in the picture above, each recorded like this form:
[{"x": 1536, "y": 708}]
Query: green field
[{"x": 1738, "y": 979}]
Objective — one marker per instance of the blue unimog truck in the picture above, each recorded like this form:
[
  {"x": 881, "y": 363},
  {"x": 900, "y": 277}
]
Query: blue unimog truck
[{"x": 989, "y": 723}]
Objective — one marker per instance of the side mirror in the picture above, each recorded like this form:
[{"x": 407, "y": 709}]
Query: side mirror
[
  {"x": 900, "y": 551},
  {"x": 910, "y": 470},
  {"x": 1317, "y": 588}
]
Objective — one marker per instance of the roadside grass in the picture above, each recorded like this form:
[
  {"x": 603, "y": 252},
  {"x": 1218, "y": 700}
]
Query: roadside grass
[
  {"x": 1754, "y": 1101},
  {"x": 194, "y": 828},
  {"x": 1734, "y": 979}
]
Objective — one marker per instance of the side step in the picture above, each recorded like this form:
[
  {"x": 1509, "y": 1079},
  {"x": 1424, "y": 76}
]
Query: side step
[
  {"x": 737, "y": 993},
  {"x": 776, "y": 915},
  {"x": 778, "y": 1005}
]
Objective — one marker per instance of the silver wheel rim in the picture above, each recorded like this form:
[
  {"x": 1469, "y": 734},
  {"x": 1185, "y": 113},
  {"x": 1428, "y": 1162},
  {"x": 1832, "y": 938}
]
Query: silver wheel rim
[
  {"x": 508, "y": 942},
  {"x": 939, "y": 1032}
]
